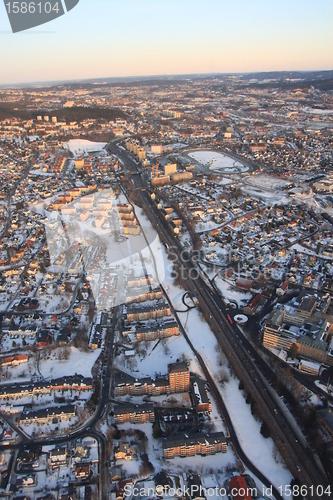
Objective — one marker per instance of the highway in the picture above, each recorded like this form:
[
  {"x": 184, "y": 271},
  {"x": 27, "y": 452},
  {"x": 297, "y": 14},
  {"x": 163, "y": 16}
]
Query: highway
[{"x": 298, "y": 459}]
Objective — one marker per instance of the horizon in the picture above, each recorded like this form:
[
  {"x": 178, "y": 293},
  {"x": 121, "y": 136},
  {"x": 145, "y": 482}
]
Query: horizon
[
  {"x": 181, "y": 38},
  {"x": 132, "y": 78}
]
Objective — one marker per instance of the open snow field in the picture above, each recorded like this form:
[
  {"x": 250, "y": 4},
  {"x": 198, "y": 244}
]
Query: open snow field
[
  {"x": 230, "y": 292},
  {"x": 218, "y": 161},
  {"x": 79, "y": 362},
  {"x": 79, "y": 146},
  {"x": 268, "y": 182}
]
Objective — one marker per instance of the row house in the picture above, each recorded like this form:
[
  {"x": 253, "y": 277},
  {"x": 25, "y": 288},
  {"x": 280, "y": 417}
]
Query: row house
[
  {"x": 48, "y": 414},
  {"x": 178, "y": 381},
  {"x": 15, "y": 360},
  {"x": 141, "y": 296},
  {"x": 198, "y": 444},
  {"x": 135, "y": 414},
  {"x": 144, "y": 313},
  {"x": 139, "y": 282},
  {"x": 70, "y": 383},
  {"x": 167, "y": 330},
  {"x": 149, "y": 333},
  {"x": 144, "y": 387}
]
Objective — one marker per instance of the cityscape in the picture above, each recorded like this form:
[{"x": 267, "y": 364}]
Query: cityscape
[
  {"x": 166, "y": 283},
  {"x": 166, "y": 267}
]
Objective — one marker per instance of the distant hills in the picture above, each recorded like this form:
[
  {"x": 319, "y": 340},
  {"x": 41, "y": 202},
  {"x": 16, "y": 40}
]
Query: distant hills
[{"x": 74, "y": 114}]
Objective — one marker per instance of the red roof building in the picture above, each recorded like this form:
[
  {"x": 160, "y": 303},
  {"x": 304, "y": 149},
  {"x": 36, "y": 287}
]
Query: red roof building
[{"x": 239, "y": 488}]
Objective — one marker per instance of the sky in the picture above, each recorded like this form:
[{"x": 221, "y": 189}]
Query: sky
[{"x": 114, "y": 38}]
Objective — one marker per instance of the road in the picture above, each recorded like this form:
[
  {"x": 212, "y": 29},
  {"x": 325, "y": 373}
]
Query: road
[{"x": 298, "y": 459}]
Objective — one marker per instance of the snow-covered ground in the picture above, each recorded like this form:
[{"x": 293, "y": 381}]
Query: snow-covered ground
[
  {"x": 268, "y": 182},
  {"x": 218, "y": 161},
  {"x": 261, "y": 451},
  {"x": 79, "y": 362},
  {"x": 232, "y": 294},
  {"x": 316, "y": 111},
  {"x": 79, "y": 146}
]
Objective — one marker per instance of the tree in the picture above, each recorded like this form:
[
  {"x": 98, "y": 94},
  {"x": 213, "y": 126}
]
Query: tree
[
  {"x": 265, "y": 430},
  {"x": 156, "y": 431}
]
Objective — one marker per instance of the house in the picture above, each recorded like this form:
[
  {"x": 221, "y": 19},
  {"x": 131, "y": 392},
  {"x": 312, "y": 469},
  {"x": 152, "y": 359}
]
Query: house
[
  {"x": 115, "y": 474},
  {"x": 122, "y": 486},
  {"x": 196, "y": 491},
  {"x": 15, "y": 360},
  {"x": 282, "y": 289},
  {"x": 82, "y": 471},
  {"x": 253, "y": 304},
  {"x": 43, "y": 338},
  {"x": 201, "y": 398},
  {"x": 58, "y": 457},
  {"x": 124, "y": 452},
  {"x": 239, "y": 488},
  {"x": 27, "y": 481}
]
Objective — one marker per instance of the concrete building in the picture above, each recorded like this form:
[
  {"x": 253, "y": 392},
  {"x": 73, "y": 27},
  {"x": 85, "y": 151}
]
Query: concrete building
[
  {"x": 178, "y": 381},
  {"x": 144, "y": 313},
  {"x": 179, "y": 377},
  {"x": 195, "y": 445},
  {"x": 134, "y": 414}
]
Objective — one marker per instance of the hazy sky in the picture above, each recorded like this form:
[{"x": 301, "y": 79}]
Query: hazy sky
[{"x": 105, "y": 38}]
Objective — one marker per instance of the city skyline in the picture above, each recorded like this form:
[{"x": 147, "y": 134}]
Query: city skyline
[{"x": 152, "y": 39}]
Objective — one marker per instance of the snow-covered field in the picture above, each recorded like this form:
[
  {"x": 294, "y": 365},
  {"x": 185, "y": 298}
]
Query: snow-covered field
[
  {"x": 316, "y": 111},
  {"x": 231, "y": 294},
  {"x": 79, "y": 362},
  {"x": 79, "y": 146},
  {"x": 261, "y": 451},
  {"x": 267, "y": 182},
  {"x": 272, "y": 197},
  {"x": 218, "y": 161}
]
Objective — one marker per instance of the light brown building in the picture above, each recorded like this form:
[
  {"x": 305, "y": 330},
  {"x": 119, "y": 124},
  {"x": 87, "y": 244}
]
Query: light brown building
[
  {"x": 195, "y": 445},
  {"x": 179, "y": 377}
]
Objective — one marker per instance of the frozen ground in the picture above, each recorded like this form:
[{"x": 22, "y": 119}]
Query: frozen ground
[
  {"x": 79, "y": 362},
  {"x": 79, "y": 146},
  {"x": 272, "y": 197},
  {"x": 315, "y": 111},
  {"x": 218, "y": 161},
  {"x": 261, "y": 451},
  {"x": 231, "y": 294},
  {"x": 268, "y": 182}
]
